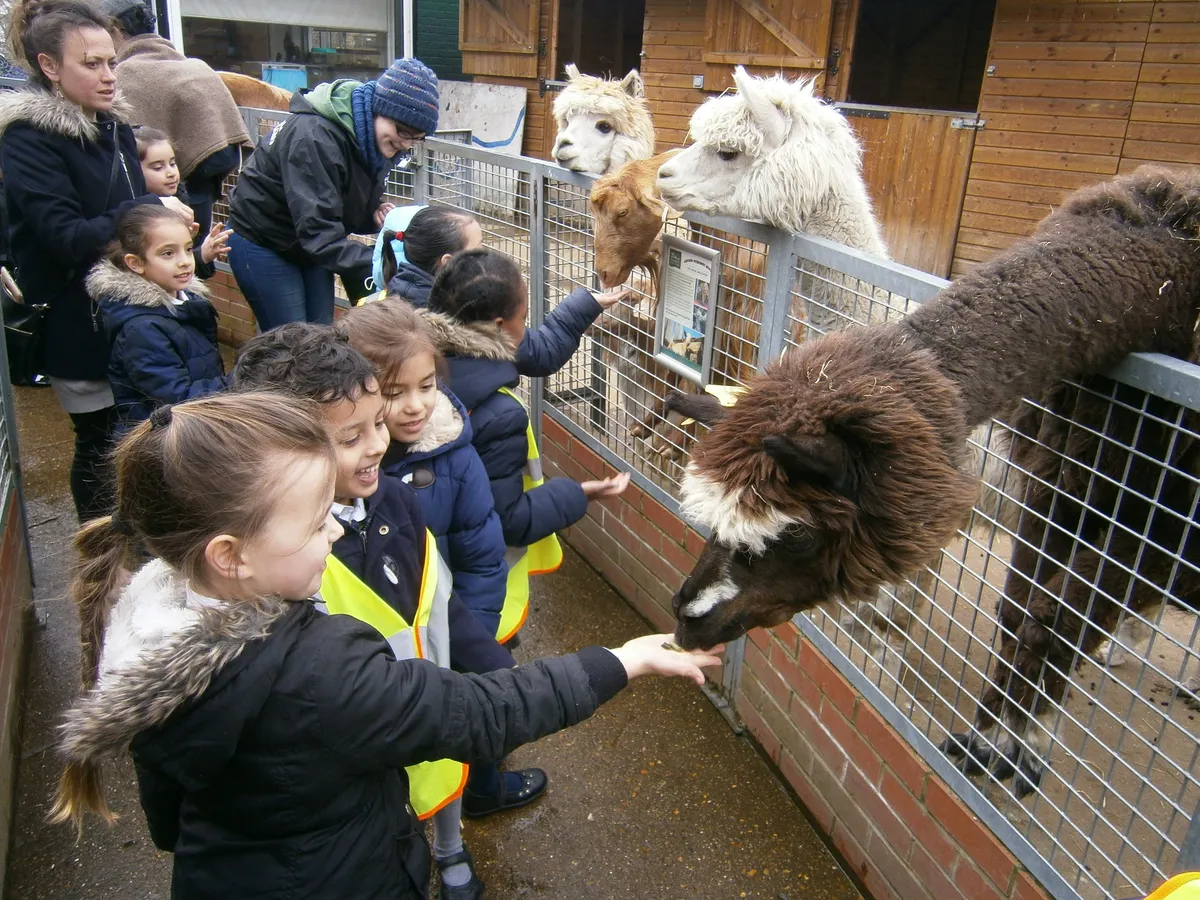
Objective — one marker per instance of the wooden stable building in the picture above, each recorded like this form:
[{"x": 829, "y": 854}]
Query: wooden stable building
[{"x": 977, "y": 116}]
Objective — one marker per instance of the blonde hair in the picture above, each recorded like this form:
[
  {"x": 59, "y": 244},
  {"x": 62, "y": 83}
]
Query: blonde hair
[{"x": 191, "y": 472}]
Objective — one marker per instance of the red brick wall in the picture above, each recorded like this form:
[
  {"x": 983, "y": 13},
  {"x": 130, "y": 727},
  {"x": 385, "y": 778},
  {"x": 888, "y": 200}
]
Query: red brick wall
[
  {"x": 896, "y": 823},
  {"x": 16, "y": 597},
  {"x": 236, "y": 323}
]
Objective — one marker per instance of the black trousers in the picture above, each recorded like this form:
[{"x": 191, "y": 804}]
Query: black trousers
[{"x": 91, "y": 471}]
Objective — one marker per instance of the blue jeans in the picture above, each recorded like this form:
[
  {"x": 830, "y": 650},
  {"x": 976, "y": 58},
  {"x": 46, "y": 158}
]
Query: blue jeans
[{"x": 277, "y": 290}]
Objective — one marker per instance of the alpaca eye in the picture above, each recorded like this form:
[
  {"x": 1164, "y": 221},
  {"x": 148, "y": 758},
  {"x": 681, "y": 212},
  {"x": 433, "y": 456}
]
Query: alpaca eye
[
  {"x": 604, "y": 128},
  {"x": 727, "y": 155}
]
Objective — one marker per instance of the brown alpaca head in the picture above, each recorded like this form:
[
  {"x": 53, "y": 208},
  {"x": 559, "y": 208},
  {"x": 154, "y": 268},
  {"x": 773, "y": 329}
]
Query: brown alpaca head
[
  {"x": 628, "y": 218},
  {"x": 837, "y": 472}
]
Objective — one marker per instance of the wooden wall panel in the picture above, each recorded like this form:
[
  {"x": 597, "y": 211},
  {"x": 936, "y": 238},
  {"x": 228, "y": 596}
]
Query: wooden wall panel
[
  {"x": 1060, "y": 88},
  {"x": 1164, "y": 124},
  {"x": 672, "y": 55}
]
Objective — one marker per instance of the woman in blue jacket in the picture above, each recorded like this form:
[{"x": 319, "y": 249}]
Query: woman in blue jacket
[{"x": 70, "y": 169}]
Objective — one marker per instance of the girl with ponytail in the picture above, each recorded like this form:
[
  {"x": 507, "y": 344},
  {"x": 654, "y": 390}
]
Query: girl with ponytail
[{"x": 269, "y": 738}]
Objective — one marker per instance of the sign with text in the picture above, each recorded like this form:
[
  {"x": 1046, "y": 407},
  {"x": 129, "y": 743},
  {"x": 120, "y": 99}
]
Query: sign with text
[{"x": 689, "y": 280}]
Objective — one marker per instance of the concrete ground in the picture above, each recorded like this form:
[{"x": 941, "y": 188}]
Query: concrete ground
[{"x": 652, "y": 797}]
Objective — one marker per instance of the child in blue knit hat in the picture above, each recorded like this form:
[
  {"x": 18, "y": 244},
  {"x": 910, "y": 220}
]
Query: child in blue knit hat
[{"x": 319, "y": 178}]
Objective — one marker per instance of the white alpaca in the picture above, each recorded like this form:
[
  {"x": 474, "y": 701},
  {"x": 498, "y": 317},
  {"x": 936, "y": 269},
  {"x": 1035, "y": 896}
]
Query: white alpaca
[
  {"x": 774, "y": 152},
  {"x": 602, "y": 123}
]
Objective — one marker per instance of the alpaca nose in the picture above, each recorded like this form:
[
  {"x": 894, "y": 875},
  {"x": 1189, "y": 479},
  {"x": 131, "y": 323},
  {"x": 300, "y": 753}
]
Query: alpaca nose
[
  {"x": 564, "y": 143},
  {"x": 666, "y": 173}
]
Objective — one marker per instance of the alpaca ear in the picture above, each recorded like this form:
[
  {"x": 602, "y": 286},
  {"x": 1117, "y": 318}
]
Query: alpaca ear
[
  {"x": 701, "y": 407},
  {"x": 632, "y": 84},
  {"x": 572, "y": 71},
  {"x": 823, "y": 460},
  {"x": 767, "y": 116}
]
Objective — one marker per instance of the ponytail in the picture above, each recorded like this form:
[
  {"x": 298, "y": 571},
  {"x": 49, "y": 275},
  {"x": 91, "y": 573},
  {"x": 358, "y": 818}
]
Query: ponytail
[{"x": 107, "y": 555}]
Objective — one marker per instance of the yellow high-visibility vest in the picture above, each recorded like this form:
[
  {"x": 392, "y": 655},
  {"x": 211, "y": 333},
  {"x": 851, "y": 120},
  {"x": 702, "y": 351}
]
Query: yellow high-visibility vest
[
  {"x": 431, "y": 785},
  {"x": 1181, "y": 887},
  {"x": 544, "y": 556}
]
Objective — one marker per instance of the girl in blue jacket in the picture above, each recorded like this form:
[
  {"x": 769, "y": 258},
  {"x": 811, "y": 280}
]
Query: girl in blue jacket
[
  {"x": 431, "y": 451},
  {"x": 478, "y": 306},
  {"x": 162, "y": 329}
]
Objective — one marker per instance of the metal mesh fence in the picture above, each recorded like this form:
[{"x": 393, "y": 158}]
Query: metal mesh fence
[{"x": 1085, "y": 527}]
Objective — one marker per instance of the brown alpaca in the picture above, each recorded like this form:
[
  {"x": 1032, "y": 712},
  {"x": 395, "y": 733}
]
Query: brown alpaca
[
  {"x": 841, "y": 469},
  {"x": 629, "y": 217},
  {"x": 251, "y": 92}
]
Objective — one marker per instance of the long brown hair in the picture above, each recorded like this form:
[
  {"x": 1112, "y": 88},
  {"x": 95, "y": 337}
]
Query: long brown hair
[
  {"x": 191, "y": 472},
  {"x": 41, "y": 26},
  {"x": 389, "y": 333}
]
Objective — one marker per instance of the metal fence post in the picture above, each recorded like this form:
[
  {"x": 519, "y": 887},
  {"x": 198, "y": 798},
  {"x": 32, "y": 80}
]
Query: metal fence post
[
  {"x": 538, "y": 285},
  {"x": 421, "y": 174}
]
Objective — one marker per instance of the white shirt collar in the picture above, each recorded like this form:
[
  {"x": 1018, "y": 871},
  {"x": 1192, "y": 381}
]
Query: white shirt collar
[{"x": 350, "y": 512}]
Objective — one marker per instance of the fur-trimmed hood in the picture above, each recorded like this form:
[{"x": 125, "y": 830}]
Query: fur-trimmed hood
[
  {"x": 108, "y": 284},
  {"x": 161, "y": 651},
  {"x": 483, "y": 340},
  {"x": 54, "y": 115},
  {"x": 445, "y": 426}
]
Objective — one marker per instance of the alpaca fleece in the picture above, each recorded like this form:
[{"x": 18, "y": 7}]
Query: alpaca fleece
[{"x": 1116, "y": 270}]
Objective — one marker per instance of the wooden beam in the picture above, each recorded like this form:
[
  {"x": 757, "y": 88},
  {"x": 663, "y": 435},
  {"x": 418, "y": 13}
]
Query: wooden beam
[{"x": 767, "y": 20}]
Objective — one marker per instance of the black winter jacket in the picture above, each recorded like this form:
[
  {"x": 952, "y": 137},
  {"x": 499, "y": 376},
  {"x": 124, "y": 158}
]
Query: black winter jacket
[
  {"x": 303, "y": 190},
  {"x": 281, "y": 774},
  {"x": 392, "y": 539},
  {"x": 57, "y": 167}
]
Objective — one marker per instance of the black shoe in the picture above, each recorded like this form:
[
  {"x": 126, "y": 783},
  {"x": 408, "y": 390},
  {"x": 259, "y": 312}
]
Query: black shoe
[
  {"x": 472, "y": 890},
  {"x": 533, "y": 785}
]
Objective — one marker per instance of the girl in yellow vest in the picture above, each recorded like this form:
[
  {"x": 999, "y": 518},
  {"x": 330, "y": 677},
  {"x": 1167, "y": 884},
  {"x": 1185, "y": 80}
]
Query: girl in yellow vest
[{"x": 270, "y": 740}]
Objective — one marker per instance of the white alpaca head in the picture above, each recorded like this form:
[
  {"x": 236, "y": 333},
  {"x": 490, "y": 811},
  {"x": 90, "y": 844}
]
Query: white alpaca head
[
  {"x": 602, "y": 123},
  {"x": 774, "y": 152}
]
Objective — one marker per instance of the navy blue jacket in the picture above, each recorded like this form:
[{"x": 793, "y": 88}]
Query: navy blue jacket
[
  {"x": 411, "y": 283},
  {"x": 480, "y": 362},
  {"x": 391, "y": 541},
  {"x": 451, "y": 484},
  {"x": 161, "y": 352},
  {"x": 57, "y": 168}
]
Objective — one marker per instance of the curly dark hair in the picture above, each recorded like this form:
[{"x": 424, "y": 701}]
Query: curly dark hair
[{"x": 305, "y": 360}]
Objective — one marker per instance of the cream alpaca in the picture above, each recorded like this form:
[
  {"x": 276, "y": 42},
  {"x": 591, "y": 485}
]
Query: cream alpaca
[{"x": 602, "y": 123}]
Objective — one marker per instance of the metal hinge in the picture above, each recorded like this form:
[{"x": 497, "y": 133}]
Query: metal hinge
[
  {"x": 834, "y": 56},
  {"x": 544, "y": 85},
  {"x": 962, "y": 123}
]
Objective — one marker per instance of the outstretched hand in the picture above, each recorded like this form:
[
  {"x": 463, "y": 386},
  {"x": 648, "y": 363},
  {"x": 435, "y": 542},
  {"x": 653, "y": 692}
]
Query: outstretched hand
[
  {"x": 609, "y": 487},
  {"x": 216, "y": 245},
  {"x": 609, "y": 299},
  {"x": 647, "y": 656}
]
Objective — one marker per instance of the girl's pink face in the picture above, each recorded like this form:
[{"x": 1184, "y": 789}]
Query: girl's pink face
[
  {"x": 168, "y": 262},
  {"x": 160, "y": 170},
  {"x": 288, "y": 556},
  {"x": 411, "y": 394},
  {"x": 85, "y": 74}
]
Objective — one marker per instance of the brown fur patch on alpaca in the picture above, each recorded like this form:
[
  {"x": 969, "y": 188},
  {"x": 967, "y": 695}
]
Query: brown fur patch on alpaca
[{"x": 850, "y": 392}]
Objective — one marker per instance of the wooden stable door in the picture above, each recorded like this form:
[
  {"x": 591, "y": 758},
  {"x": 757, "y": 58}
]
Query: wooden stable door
[{"x": 915, "y": 163}]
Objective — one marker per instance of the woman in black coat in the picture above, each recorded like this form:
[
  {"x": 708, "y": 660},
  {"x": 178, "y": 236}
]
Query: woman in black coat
[
  {"x": 318, "y": 179},
  {"x": 70, "y": 170}
]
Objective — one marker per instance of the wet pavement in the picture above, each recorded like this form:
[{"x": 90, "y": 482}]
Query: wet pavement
[{"x": 654, "y": 797}]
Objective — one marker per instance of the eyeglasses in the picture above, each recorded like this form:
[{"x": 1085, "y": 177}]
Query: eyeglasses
[{"x": 410, "y": 133}]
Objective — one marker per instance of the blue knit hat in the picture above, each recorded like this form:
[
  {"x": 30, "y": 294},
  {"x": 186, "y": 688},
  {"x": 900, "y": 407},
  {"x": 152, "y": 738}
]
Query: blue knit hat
[{"x": 408, "y": 93}]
